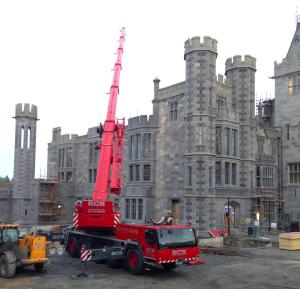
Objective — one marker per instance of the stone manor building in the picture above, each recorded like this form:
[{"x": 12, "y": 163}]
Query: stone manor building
[
  {"x": 196, "y": 155},
  {"x": 204, "y": 153},
  {"x": 287, "y": 122}
]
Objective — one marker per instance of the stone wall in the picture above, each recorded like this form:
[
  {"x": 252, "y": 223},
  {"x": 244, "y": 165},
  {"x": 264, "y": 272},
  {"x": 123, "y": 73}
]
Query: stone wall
[{"x": 5, "y": 202}]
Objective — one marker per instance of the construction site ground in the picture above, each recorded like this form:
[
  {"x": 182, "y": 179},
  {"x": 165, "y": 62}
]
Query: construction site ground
[{"x": 251, "y": 269}]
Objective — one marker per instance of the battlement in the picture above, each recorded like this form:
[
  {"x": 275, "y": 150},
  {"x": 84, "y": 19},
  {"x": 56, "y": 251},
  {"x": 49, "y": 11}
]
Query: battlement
[
  {"x": 140, "y": 121},
  {"x": 286, "y": 67},
  {"x": 62, "y": 138},
  {"x": 222, "y": 80},
  {"x": 194, "y": 44},
  {"x": 56, "y": 132},
  {"x": 92, "y": 132},
  {"x": 238, "y": 62},
  {"x": 26, "y": 110}
]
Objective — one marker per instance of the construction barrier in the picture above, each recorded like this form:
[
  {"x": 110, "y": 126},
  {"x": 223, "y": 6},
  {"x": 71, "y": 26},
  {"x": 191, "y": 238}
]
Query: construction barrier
[{"x": 85, "y": 255}]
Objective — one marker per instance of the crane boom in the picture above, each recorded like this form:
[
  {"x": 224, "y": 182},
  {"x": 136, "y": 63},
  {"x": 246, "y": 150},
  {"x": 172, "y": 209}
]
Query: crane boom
[
  {"x": 111, "y": 148},
  {"x": 99, "y": 213},
  {"x": 114, "y": 90}
]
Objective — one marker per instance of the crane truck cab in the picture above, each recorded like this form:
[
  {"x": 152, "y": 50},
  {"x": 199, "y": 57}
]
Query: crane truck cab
[{"x": 158, "y": 246}]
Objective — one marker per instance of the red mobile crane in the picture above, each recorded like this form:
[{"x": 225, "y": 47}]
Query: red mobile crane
[{"x": 97, "y": 221}]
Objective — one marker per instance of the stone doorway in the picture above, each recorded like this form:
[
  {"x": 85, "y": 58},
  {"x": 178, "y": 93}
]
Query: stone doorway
[
  {"x": 231, "y": 214},
  {"x": 175, "y": 210}
]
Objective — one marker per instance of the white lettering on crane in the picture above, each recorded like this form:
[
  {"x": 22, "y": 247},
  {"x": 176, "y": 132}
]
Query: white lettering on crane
[
  {"x": 96, "y": 204},
  {"x": 178, "y": 252}
]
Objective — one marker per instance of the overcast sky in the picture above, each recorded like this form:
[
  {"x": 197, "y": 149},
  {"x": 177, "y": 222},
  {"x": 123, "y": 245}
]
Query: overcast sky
[{"x": 58, "y": 55}]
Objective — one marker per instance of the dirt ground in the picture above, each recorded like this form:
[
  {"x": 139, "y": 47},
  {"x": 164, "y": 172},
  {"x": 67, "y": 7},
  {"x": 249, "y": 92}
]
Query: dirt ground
[{"x": 255, "y": 269}]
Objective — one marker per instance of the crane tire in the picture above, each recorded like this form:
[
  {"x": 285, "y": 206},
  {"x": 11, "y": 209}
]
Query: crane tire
[
  {"x": 134, "y": 261},
  {"x": 73, "y": 247}
]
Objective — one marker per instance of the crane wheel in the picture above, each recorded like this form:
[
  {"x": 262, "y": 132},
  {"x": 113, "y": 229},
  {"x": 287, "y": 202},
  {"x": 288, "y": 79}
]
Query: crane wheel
[
  {"x": 134, "y": 261},
  {"x": 73, "y": 247},
  {"x": 7, "y": 270}
]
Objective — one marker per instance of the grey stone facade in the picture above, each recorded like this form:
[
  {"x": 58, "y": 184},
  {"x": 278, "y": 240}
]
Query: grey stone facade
[
  {"x": 204, "y": 154},
  {"x": 201, "y": 150},
  {"x": 73, "y": 159},
  {"x": 25, "y": 200},
  {"x": 287, "y": 121},
  {"x": 5, "y": 201},
  {"x": 139, "y": 175}
]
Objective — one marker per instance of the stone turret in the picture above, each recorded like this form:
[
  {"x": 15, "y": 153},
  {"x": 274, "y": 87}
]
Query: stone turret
[
  {"x": 156, "y": 82},
  {"x": 241, "y": 74},
  {"x": 200, "y": 95},
  {"x": 238, "y": 62},
  {"x": 195, "y": 44},
  {"x": 23, "y": 209}
]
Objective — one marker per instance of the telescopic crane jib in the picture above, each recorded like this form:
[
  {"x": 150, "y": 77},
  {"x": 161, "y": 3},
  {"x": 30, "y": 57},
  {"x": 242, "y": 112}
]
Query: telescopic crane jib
[
  {"x": 99, "y": 212},
  {"x": 112, "y": 146}
]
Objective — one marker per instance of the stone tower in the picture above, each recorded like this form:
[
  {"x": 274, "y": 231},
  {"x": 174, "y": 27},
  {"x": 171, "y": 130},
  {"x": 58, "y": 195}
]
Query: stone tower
[
  {"x": 241, "y": 74},
  {"x": 23, "y": 202},
  {"x": 200, "y": 95},
  {"x": 200, "y": 82}
]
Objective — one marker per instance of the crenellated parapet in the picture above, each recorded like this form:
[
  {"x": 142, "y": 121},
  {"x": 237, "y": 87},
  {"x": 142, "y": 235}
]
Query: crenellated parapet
[
  {"x": 238, "y": 62},
  {"x": 92, "y": 132},
  {"x": 222, "y": 80},
  {"x": 287, "y": 66},
  {"x": 57, "y": 137},
  {"x": 56, "y": 132},
  {"x": 195, "y": 44},
  {"x": 140, "y": 122},
  {"x": 26, "y": 110}
]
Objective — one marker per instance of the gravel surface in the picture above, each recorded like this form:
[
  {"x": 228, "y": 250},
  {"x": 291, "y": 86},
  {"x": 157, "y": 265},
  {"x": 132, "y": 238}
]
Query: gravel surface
[{"x": 256, "y": 269}]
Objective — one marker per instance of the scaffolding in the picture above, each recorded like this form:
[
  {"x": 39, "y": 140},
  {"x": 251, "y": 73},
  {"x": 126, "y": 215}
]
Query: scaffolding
[
  {"x": 267, "y": 207},
  {"x": 49, "y": 205}
]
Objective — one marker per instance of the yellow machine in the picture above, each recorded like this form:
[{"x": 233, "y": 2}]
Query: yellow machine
[{"x": 20, "y": 251}]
